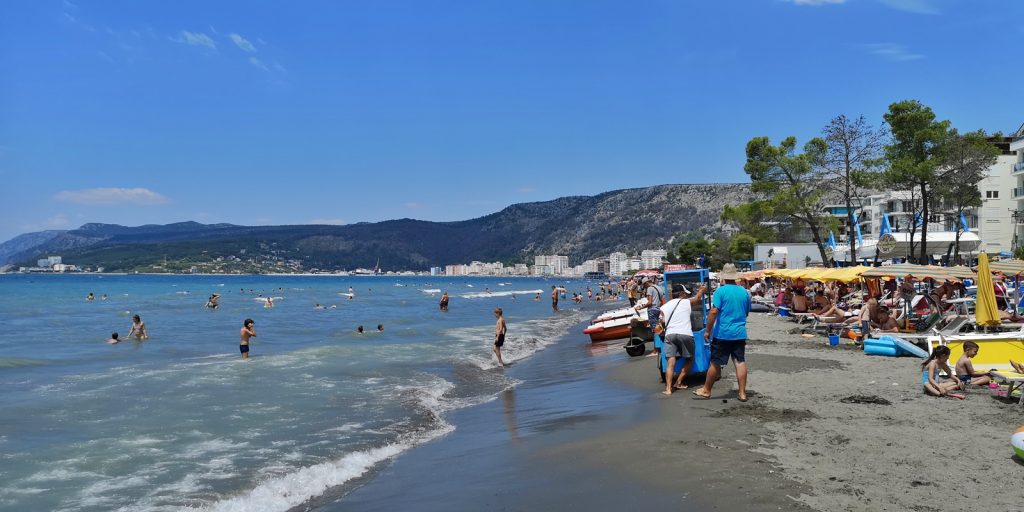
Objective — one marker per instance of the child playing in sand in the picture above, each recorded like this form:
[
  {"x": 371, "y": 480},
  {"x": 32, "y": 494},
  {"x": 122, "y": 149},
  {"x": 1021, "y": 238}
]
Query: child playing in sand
[
  {"x": 965, "y": 370},
  {"x": 938, "y": 360}
]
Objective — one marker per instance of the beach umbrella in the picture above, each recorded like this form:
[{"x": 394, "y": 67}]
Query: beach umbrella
[
  {"x": 921, "y": 272},
  {"x": 986, "y": 312},
  {"x": 1007, "y": 267}
]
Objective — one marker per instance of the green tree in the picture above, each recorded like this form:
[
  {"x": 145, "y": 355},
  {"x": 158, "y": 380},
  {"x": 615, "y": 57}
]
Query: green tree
[
  {"x": 790, "y": 182},
  {"x": 751, "y": 219},
  {"x": 690, "y": 251},
  {"x": 966, "y": 159},
  {"x": 850, "y": 163},
  {"x": 741, "y": 247},
  {"x": 914, "y": 157}
]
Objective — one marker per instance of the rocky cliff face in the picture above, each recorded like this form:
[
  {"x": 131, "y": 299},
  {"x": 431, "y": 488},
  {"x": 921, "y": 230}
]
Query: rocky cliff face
[{"x": 580, "y": 227}]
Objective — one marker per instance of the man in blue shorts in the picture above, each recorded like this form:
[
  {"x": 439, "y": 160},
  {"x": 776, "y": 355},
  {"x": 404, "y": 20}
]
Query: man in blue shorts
[{"x": 728, "y": 321}]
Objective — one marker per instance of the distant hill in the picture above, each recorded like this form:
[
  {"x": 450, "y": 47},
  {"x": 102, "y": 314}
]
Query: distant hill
[{"x": 580, "y": 227}]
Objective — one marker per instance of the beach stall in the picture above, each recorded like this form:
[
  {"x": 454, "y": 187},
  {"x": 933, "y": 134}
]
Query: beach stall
[{"x": 693, "y": 280}]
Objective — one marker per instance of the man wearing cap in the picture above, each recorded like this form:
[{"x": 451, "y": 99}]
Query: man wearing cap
[
  {"x": 727, "y": 331},
  {"x": 675, "y": 314}
]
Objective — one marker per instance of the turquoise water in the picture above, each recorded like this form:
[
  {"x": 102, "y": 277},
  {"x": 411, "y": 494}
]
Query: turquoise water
[{"x": 180, "y": 421}]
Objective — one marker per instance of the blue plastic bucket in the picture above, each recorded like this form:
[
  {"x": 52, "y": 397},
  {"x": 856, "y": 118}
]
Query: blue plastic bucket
[
  {"x": 783, "y": 311},
  {"x": 833, "y": 339}
]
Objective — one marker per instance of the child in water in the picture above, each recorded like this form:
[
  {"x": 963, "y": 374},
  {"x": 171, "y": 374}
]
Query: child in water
[{"x": 939, "y": 360}]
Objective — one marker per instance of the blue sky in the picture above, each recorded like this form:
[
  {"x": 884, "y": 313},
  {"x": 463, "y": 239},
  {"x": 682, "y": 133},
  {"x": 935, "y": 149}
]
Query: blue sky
[{"x": 339, "y": 112}]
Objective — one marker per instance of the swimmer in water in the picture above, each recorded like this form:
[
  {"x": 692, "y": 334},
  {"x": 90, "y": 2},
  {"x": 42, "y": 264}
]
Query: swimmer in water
[
  {"x": 318, "y": 306},
  {"x": 380, "y": 327},
  {"x": 90, "y": 297},
  {"x": 113, "y": 339},
  {"x": 359, "y": 329},
  {"x": 212, "y": 301},
  {"x": 269, "y": 303},
  {"x": 248, "y": 331},
  {"x": 104, "y": 297},
  {"x": 138, "y": 329}
]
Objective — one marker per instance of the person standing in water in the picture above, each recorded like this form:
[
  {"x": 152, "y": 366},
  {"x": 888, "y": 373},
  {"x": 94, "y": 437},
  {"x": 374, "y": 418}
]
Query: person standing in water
[
  {"x": 499, "y": 335},
  {"x": 444, "y": 301},
  {"x": 554, "y": 299},
  {"x": 212, "y": 301},
  {"x": 247, "y": 331},
  {"x": 138, "y": 329}
]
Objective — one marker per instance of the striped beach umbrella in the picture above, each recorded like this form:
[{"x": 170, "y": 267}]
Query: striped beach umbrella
[
  {"x": 1007, "y": 267},
  {"x": 921, "y": 272}
]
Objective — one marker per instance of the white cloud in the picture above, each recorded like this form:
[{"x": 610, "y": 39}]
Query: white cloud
[
  {"x": 413, "y": 206},
  {"x": 817, "y": 2},
  {"x": 258, "y": 63},
  {"x": 893, "y": 51},
  {"x": 332, "y": 222},
  {"x": 242, "y": 43},
  {"x": 279, "y": 67},
  {"x": 106, "y": 196},
  {"x": 196, "y": 39},
  {"x": 915, "y": 6}
]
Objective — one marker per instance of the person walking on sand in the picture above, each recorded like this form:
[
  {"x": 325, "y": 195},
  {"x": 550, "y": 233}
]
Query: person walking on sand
[
  {"x": 554, "y": 299},
  {"x": 675, "y": 314},
  {"x": 499, "y": 335},
  {"x": 727, "y": 331},
  {"x": 654, "y": 301},
  {"x": 248, "y": 331}
]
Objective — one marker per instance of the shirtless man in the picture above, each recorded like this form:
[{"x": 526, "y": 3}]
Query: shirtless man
[
  {"x": 444, "y": 301},
  {"x": 554, "y": 298},
  {"x": 245, "y": 333},
  {"x": 212, "y": 301},
  {"x": 886, "y": 323},
  {"x": 499, "y": 335}
]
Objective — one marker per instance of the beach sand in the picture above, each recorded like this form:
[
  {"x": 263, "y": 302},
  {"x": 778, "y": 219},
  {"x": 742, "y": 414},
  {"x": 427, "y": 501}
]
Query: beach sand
[
  {"x": 796, "y": 445},
  {"x": 588, "y": 428}
]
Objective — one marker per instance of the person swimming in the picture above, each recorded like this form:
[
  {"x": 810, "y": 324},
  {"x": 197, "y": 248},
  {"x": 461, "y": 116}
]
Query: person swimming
[
  {"x": 90, "y": 297},
  {"x": 359, "y": 329},
  {"x": 380, "y": 327},
  {"x": 113, "y": 339},
  {"x": 212, "y": 301}
]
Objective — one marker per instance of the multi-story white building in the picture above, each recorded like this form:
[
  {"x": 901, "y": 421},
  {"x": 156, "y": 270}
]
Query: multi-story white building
[
  {"x": 651, "y": 258},
  {"x": 455, "y": 270},
  {"x": 1017, "y": 146},
  {"x": 558, "y": 264},
  {"x": 49, "y": 262},
  {"x": 1001, "y": 193},
  {"x": 618, "y": 263}
]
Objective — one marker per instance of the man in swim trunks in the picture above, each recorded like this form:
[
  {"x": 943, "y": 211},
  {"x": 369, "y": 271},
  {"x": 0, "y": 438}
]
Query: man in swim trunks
[
  {"x": 444, "y": 301},
  {"x": 554, "y": 298},
  {"x": 499, "y": 335},
  {"x": 212, "y": 301},
  {"x": 248, "y": 331}
]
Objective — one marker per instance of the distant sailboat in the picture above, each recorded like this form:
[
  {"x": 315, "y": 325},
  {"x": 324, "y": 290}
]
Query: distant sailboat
[{"x": 376, "y": 268}]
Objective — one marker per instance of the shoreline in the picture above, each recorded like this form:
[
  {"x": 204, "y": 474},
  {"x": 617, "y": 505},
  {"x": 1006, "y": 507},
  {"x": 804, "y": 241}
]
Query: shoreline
[{"x": 794, "y": 446}]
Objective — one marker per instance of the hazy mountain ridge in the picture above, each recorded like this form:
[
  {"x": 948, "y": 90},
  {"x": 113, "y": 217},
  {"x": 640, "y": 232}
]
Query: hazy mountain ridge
[{"x": 580, "y": 227}]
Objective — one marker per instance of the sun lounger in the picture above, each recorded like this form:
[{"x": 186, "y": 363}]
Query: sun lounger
[{"x": 1014, "y": 379}]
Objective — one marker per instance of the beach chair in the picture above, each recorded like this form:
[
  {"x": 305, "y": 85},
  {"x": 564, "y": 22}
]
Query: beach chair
[{"x": 1013, "y": 379}]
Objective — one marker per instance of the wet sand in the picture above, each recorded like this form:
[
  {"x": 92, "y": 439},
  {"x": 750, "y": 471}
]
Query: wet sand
[{"x": 588, "y": 428}]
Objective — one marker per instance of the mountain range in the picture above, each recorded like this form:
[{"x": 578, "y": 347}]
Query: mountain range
[{"x": 580, "y": 227}]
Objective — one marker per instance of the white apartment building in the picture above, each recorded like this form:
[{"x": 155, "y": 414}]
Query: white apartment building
[
  {"x": 1017, "y": 145},
  {"x": 558, "y": 264},
  {"x": 49, "y": 261},
  {"x": 618, "y": 263},
  {"x": 455, "y": 270},
  {"x": 993, "y": 222},
  {"x": 651, "y": 258}
]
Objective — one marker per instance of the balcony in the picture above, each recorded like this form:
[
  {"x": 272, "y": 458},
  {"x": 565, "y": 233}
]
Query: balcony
[
  {"x": 1018, "y": 167},
  {"x": 1018, "y": 193}
]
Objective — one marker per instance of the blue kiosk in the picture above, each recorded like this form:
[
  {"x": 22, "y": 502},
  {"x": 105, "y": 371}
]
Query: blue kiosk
[{"x": 693, "y": 279}]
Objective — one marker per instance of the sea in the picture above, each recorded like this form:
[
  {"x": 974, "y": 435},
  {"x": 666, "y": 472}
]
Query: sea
[{"x": 181, "y": 422}]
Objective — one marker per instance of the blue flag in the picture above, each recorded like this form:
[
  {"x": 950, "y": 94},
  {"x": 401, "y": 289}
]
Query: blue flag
[
  {"x": 963, "y": 222},
  {"x": 832, "y": 240},
  {"x": 886, "y": 228},
  {"x": 917, "y": 219},
  {"x": 856, "y": 227}
]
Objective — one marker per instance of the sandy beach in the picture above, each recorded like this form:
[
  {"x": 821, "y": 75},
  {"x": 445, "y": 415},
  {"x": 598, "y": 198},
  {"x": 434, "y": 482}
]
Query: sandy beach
[
  {"x": 798, "y": 445},
  {"x": 599, "y": 435}
]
